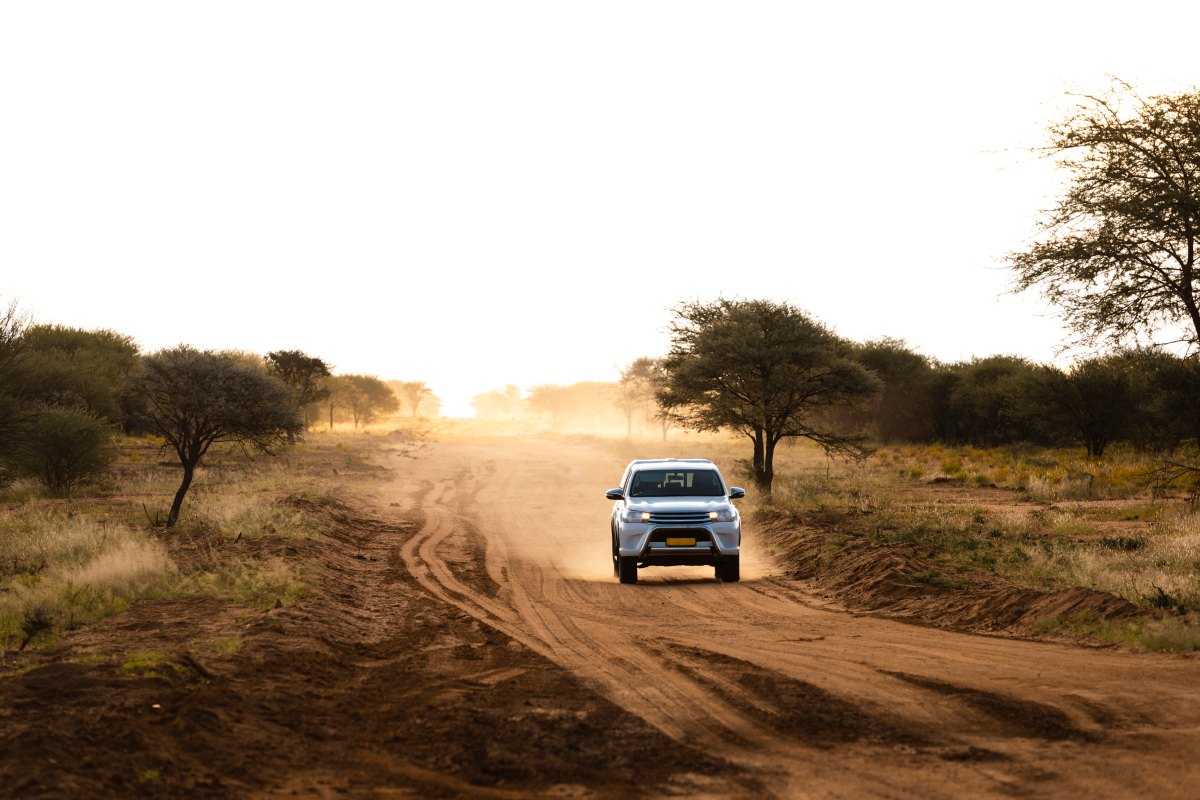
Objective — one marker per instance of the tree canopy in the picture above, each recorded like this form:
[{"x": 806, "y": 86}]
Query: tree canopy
[
  {"x": 635, "y": 390},
  {"x": 365, "y": 397},
  {"x": 1118, "y": 252},
  {"x": 304, "y": 373},
  {"x": 72, "y": 367},
  {"x": 766, "y": 370},
  {"x": 1089, "y": 404},
  {"x": 196, "y": 398},
  {"x": 505, "y": 403},
  {"x": 413, "y": 393},
  {"x": 903, "y": 408}
]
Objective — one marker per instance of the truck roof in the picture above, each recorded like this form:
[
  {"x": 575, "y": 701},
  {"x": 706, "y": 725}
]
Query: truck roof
[{"x": 682, "y": 463}]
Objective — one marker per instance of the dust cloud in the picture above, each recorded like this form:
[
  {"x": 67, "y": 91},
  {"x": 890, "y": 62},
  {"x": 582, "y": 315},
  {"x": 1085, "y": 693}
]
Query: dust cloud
[{"x": 564, "y": 527}]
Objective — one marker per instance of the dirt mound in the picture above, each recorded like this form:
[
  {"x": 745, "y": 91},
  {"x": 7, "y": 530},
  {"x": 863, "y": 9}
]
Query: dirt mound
[{"x": 871, "y": 576}]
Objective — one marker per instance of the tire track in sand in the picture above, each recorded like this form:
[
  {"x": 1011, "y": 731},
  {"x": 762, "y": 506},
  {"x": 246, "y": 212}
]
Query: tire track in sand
[
  {"x": 645, "y": 679},
  {"x": 723, "y": 666}
]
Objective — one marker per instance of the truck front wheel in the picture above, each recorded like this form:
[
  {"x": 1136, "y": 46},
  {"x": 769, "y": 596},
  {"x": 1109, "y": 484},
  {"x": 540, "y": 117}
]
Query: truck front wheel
[
  {"x": 627, "y": 569},
  {"x": 729, "y": 569}
]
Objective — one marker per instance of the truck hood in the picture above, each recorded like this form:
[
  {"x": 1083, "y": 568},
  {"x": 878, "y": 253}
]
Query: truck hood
[{"x": 653, "y": 504}]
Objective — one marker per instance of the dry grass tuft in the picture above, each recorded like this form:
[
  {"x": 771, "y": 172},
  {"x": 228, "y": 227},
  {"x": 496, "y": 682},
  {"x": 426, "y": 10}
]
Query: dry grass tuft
[{"x": 73, "y": 569}]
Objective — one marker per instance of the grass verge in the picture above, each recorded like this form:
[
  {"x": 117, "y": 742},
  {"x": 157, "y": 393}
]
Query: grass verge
[
  {"x": 65, "y": 564},
  {"x": 954, "y": 519}
]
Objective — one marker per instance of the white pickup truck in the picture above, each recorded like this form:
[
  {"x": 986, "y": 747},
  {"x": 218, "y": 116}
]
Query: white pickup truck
[{"x": 675, "y": 511}]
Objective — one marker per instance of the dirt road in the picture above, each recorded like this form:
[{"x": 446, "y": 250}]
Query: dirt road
[
  {"x": 463, "y": 636},
  {"x": 810, "y": 700}
]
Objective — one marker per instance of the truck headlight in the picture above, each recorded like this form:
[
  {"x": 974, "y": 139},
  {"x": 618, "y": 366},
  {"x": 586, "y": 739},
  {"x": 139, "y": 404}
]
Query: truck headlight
[
  {"x": 723, "y": 515},
  {"x": 633, "y": 515}
]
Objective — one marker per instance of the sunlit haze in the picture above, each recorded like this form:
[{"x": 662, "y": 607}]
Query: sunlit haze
[{"x": 478, "y": 194}]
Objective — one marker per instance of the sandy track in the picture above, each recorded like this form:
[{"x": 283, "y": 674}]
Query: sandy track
[{"x": 815, "y": 701}]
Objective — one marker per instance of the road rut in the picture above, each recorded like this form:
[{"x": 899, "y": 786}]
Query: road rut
[{"x": 813, "y": 700}]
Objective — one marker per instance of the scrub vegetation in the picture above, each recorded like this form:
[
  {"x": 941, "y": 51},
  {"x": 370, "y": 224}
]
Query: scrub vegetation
[
  {"x": 1049, "y": 520},
  {"x": 91, "y": 499},
  {"x": 64, "y": 565}
]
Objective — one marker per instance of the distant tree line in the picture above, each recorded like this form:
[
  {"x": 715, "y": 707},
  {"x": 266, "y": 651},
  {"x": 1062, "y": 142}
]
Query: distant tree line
[
  {"x": 578, "y": 406},
  {"x": 1145, "y": 397},
  {"x": 768, "y": 371},
  {"x": 66, "y": 392}
]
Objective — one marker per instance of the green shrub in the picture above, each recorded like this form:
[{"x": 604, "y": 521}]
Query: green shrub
[
  {"x": 1128, "y": 544},
  {"x": 64, "y": 447}
]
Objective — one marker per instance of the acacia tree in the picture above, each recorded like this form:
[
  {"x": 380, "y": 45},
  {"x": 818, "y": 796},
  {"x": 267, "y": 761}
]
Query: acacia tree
[
  {"x": 635, "y": 389},
  {"x": 763, "y": 369},
  {"x": 550, "y": 399},
  {"x": 364, "y": 396},
  {"x": 657, "y": 413},
  {"x": 196, "y": 398},
  {"x": 503, "y": 403},
  {"x": 1118, "y": 252},
  {"x": 372, "y": 399},
  {"x": 986, "y": 403},
  {"x": 413, "y": 393},
  {"x": 1089, "y": 404},
  {"x": 1164, "y": 391},
  {"x": 338, "y": 389},
  {"x": 305, "y": 374}
]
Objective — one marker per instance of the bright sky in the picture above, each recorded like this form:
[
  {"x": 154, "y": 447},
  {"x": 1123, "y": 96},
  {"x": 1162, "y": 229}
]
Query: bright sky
[{"x": 481, "y": 193}]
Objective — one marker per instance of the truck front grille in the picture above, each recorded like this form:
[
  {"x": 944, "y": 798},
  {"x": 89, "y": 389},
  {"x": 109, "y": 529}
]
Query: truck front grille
[{"x": 679, "y": 517}]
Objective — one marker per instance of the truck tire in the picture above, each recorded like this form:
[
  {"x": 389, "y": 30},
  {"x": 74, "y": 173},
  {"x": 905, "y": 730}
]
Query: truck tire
[
  {"x": 729, "y": 569},
  {"x": 627, "y": 569}
]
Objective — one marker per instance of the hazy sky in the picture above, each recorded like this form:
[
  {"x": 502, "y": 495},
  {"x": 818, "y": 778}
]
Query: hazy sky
[{"x": 481, "y": 193}]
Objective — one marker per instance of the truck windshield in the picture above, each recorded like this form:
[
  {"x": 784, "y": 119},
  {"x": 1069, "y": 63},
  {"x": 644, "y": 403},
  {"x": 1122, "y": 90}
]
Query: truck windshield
[{"x": 676, "y": 483}]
